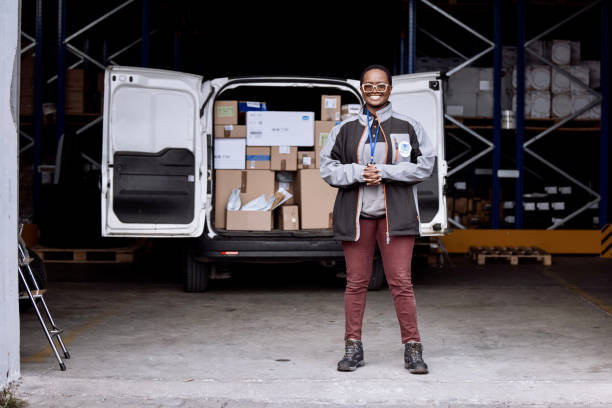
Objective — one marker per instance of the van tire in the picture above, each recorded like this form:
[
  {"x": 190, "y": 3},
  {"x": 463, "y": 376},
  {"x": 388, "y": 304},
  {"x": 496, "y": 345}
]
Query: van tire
[
  {"x": 377, "y": 280},
  {"x": 195, "y": 273}
]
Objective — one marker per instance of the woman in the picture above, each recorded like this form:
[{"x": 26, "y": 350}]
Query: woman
[{"x": 375, "y": 159}]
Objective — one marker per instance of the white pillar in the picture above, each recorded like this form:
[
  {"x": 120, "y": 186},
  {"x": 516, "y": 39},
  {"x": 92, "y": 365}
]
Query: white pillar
[{"x": 9, "y": 189}]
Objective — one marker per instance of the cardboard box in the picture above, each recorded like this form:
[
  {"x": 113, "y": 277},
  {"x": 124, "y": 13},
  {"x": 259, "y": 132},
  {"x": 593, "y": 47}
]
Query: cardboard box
[
  {"x": 287, "y": 186},
  {"x": 235, "y": 131},
  {"x": 230, "y": 153},
  {"x": 226, "y": 113},
  {"x": 288, "y": 218},
  {"x": 316, "y": 200},
  {"x": 306, "y": 160},
  {"x": 75, "y": 80},
  {"x": 349, "y": 110},
  {"x": 466, "y": 80},
  {"x": 249, "y": 220},
  {"x": 274, "y": 128},
  {"x": 252, "y": 184},
  {"x": 322, "y": 132},
  {"x": 330, "y": 107},
  {"x": 484, "y": 104},
  {"x": 258, "y": 157},
  {"x": 461, "y": 205},
  {"x": 248, "y": 106},
  {"x": 284, "y": 158}
]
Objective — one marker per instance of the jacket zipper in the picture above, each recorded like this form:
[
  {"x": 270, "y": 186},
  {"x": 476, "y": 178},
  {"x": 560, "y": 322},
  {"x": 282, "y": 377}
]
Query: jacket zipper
[
  {"x": 358, "y": 210},
  {"x": 384, "y": 186}
]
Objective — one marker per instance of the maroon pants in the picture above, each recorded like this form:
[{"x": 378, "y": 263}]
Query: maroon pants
[{"x": 396, "y": 257}]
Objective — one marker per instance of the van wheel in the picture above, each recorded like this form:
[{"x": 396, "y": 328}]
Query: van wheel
[
  {"x": 377, "y": 280},
  {"x": 195, "y": 274}
]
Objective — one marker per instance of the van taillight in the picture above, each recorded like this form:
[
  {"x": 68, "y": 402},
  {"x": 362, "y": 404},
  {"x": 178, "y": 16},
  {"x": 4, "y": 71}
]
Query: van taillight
[{"x": 229, "y": 252}]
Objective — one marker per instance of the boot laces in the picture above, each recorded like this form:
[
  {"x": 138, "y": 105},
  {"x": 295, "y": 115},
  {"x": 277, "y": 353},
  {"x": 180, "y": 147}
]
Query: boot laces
[{"x": 351, "y": 348}]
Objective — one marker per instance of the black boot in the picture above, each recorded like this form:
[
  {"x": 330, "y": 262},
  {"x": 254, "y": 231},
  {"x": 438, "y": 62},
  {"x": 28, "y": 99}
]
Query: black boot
[
  {"x": 413, "y": 358},
  {"x": 353, "y": 356}
]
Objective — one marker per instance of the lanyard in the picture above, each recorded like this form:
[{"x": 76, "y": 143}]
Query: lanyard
[{"x": 372, "y": 145}]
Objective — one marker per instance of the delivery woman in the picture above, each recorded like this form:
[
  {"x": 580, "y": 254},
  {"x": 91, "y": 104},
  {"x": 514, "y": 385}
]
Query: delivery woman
[{"x": 375, "y": 159}]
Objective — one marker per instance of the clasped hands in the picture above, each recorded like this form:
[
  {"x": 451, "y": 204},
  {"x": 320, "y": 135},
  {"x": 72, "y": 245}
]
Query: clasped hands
[{"x": 371, "y": 175}]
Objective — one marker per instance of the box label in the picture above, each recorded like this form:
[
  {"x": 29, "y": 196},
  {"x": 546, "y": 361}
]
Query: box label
[
  {"x": 323, "y": 136},
  {"x": 330, "y": 103},
  {"x": 306, "y": 160},
  {"x": 225, "y": 111},
  {"x": 284, "y": 149}
]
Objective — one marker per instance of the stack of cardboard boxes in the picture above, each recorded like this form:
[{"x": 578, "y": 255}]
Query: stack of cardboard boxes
[{"x": 259, "y": 151}]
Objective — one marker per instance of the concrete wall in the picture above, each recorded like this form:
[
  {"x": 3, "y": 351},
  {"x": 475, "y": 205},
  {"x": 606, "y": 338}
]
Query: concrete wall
[{"x": 9, "y": 187}]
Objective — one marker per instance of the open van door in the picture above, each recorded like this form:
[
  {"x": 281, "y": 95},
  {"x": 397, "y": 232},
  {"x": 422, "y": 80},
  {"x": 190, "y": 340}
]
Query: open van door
[
  {"x": 420, "y": 97},
  {"x": 154, "y": 161}
]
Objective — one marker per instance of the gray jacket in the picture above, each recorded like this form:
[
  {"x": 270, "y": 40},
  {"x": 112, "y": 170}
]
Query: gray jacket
[{"x": 410, "y": 160}]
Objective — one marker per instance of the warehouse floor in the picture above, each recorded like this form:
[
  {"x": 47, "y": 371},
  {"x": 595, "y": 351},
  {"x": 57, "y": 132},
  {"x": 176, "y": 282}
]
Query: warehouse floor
[{"x": 496, "y": 335}]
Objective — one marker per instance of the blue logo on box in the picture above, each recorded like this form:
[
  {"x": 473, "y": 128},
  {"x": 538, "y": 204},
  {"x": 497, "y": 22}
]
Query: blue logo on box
[{"x": 305, "y": 117}]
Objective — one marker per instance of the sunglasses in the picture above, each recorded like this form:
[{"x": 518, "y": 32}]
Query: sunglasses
[{"x": 380, "y": 87}]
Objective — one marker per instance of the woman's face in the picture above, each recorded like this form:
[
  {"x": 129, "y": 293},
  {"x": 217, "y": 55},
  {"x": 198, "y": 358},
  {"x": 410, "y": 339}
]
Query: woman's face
[{"x": 372, "y": 88}]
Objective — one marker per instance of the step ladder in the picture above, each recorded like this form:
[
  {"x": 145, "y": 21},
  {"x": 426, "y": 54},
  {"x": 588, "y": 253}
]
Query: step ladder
[{"x": 35, "y": 294}]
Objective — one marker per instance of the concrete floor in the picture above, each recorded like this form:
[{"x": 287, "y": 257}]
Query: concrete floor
[{"x": 496, "y": 335}]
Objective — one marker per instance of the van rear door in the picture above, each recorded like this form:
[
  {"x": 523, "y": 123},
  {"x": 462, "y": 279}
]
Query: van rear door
[
  {"x": 420, "y": 97},
  {"x": 153, "y": 154}
]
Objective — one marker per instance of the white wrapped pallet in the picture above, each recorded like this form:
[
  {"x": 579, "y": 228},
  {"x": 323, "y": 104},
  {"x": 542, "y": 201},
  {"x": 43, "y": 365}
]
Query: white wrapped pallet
[
  {"x": 560, "y": 83},
  {"x": 561, "y": 105},
  {"x": 461, "y": 103},
  {"x": 484, "y": 104},
  {"x": 540, "y": 104},
  {"x": 594, "y": 73},
  {"x": 465, "y": 80},
  {"x": 579, "y": 101},
  {"x": 527, "y": 109},
  {"x": 561, "y": 52},
  {"x": 575, "y": 52},
  {"x": 581, "y": 72},
  {"x": 541, "y": 48},
  {"x": 527, "y": 78},
  {"x": 540, "y": 77},
  {"x": 508, "y": 56}
]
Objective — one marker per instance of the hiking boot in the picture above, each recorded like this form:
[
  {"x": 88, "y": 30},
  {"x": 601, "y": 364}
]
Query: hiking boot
[
  {"x": 413, "y": 358},
  {"x": 353, "y": 356}
]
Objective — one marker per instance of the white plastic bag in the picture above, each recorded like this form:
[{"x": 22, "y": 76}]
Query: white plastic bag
[
  {"x": 233, "y": 203},
  {"x": 258, "y": 204}
]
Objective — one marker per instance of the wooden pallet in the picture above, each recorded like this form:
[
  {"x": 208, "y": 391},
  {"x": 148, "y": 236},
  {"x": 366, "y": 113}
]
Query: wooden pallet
[
  {"x": 480, "y": 254},
  {"x": 88, "y": 255}
]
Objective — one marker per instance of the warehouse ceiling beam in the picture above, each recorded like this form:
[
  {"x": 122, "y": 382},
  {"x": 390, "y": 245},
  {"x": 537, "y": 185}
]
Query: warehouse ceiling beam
[
  {"x": 595, "y": 102},
  {"x": 491, "y": 147}
]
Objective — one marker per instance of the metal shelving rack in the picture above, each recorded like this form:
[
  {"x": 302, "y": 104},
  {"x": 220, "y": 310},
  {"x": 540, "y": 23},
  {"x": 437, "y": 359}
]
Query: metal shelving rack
[
  {"x": 522, "y": 145},
  {"x": 65, "y": 45}
]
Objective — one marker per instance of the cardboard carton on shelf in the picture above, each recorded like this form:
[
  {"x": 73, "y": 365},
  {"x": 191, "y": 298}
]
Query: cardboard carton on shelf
[
  {"x": 316, "y": 200},
  {"x": 252, "y": 183},
  {"x": 249, "y": 220},
  {"x": 258, "y": 157},
  {"x": 230, "y": 153},
  {"x": 330, "y": 107},
  {"x": 280, "y": 128},
  {"x": 288, "y": 218},
  {"x": 226, "y": 113},
  {"x": 461, "y": 205},
  {"x": 306, "y": 160},
  {"x": 231, "y": 131},
  {"x": 322, "y": 132},
  {"x": 284, "y": 158}
]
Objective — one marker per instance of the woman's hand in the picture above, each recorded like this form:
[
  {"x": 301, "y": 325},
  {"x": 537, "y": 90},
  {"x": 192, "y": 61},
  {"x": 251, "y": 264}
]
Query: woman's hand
[{"x": 371, "y": 175}]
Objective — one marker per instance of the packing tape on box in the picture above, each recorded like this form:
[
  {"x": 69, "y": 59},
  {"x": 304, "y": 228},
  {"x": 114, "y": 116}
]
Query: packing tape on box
[
  {"x": 243, "y": 183},
  {"x": 283, "y": 164},
  {"x": 331, "y": 220}
]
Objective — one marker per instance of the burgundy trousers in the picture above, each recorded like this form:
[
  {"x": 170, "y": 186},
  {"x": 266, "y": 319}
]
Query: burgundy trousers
[{"x": 396, "y": 257}]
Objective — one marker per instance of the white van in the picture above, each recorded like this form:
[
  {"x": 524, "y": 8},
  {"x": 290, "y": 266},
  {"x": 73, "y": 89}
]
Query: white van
[{"x": 158, "y": 171}]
